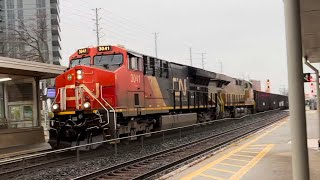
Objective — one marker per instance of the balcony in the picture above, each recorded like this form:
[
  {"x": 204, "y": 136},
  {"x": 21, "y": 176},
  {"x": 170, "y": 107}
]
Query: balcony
[
  {"x": 56, "y": 61},
  {"x": 55, "y": 19},
  {"x": 56, "y": 40},
  {"x": 56, "y": 52},
  {"x": 54, "y": 1},
  {"x": 54, "y": 8},
  {"x": 55, "y": 30}
]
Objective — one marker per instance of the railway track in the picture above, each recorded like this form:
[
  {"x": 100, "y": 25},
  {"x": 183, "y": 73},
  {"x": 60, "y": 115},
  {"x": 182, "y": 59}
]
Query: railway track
[
  {"x": 151, "y": 165},
  {"x": 19, "y": 168},
  {"x": 26, "y": 168}
]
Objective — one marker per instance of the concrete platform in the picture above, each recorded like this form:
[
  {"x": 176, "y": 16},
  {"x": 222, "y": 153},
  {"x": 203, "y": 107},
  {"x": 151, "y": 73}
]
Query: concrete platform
[
  {"x": 265, "y": 155},
  {"x": 19, "y": 141},
  {"x": 23, "y": 150}
]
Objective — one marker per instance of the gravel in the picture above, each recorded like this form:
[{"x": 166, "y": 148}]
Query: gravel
[{"x": 105, "y": 156}]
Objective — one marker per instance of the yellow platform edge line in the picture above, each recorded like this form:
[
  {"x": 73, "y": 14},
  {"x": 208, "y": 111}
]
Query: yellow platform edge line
[
  {"x": 240, "y": 155},
  {"x": 219, "y": 160},
  {"x": 254, "y": 148},
  {"x": 252, "y": 152},
  {"x": 252, "y": 163},
  {"x": 233, "y": 159},
  {"x": 258, "y": 145},
  {"x": 211, "y": 177},
  {"x": 233, "y": 165},
  {"x": 223, "y": 170}
]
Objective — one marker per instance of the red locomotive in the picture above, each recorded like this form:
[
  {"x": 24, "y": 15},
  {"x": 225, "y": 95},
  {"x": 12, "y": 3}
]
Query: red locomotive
[{"x": 109, "y": 91}]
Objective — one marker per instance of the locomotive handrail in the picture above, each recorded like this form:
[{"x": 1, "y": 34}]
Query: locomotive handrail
[
  {"x": 116, "y": 139},
  {"x": 114, "y": 112},
  {"x": 92, "y": 95}
]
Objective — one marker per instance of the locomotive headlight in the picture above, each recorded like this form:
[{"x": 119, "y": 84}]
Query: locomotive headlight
[
  {"x": 55, "y": 106},
  {"x": 86, "y": 105},
  {"x": 79, "y": 76}
]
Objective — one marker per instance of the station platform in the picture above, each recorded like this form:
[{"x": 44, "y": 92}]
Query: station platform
[
  {"x": 264, "y": 155},
  {"x": 20, "y": 141}
]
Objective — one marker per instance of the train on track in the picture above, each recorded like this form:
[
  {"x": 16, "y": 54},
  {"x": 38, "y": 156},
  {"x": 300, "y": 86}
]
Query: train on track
[{"x": 110, "y": 91}]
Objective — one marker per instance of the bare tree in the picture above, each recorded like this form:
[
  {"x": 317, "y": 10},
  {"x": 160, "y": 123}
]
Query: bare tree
[
  {"x": 7, "y": 46},
  {"x": 28, "y": 39}
]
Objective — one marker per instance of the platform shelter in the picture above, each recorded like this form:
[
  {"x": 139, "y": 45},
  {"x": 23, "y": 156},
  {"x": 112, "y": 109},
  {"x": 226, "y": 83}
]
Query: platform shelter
[{"x": 20, "y": 105}]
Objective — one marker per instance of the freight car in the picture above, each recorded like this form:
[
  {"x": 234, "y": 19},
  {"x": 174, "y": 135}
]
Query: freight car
[
  {"x": 267, "y": 101},
  {"x": 109, "y": 91}
]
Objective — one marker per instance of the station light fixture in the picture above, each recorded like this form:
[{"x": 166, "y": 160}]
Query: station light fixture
[{"x": 5, "y": 79}]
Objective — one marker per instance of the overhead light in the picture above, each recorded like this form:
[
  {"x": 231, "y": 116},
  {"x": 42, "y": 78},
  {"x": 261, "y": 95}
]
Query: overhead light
[{"x": 5, "y": 79}]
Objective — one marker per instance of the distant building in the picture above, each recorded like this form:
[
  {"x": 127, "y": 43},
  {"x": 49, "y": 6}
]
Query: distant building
[
  {"x": 28, "y": 27},
  {"x": 256, "y": 85}
]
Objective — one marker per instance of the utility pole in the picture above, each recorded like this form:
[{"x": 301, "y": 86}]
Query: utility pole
[
  {"x": 97, "y": 19},
  {"x": 156, "y": 43},
  {"x": 190, "y": 49}
]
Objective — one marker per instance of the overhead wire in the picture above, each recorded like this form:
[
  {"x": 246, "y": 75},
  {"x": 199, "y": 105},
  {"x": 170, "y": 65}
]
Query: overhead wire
[
  {"x": 115, "y": 31},
  {"x": 116, "y": 15},
  {"x": 131, "y": 27},
  {"x": 122, "y": 27}
]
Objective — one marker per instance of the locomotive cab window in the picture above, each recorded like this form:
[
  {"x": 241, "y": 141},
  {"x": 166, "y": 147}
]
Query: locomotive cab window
[
  {"x": 80, "y": 61},
  {"x": 135, "y": 63},
  {"x": 108, "y": 61}
]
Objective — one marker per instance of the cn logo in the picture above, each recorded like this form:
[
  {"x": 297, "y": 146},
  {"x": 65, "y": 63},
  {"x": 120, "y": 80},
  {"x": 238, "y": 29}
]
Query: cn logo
[{"x": 182, "y": 85}]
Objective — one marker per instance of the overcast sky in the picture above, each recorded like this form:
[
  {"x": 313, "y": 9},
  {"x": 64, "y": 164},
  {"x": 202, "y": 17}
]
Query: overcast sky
[{"x": 248, "y": 37}]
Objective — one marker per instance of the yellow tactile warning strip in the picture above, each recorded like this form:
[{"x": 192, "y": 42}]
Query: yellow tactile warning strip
[{"x": 236, "y": 163}]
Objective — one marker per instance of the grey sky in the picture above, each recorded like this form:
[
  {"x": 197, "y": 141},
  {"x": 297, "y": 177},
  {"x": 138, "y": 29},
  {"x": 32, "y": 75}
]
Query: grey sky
[{"x": 247, "y": 36}]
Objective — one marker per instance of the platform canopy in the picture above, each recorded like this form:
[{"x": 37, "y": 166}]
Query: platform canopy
[
  {"x": 29, "y": 68},
  {"x": 310, "y": 18}
]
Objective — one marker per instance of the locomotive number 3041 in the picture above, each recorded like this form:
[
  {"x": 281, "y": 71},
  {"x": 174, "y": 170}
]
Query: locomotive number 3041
[{"x": 135, "y": 78}]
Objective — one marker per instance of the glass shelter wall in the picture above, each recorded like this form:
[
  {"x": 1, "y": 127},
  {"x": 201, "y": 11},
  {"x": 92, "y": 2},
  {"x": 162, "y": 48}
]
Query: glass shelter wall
[{"x": 18, "y": 102}]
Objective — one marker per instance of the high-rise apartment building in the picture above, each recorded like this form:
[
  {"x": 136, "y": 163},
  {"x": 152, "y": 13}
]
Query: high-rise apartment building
[{"x": 29, "y": 29}]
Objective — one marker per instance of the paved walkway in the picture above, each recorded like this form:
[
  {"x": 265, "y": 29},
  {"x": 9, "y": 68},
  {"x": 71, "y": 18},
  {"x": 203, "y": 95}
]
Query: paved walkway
[{"x": 264, "y": 156}]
